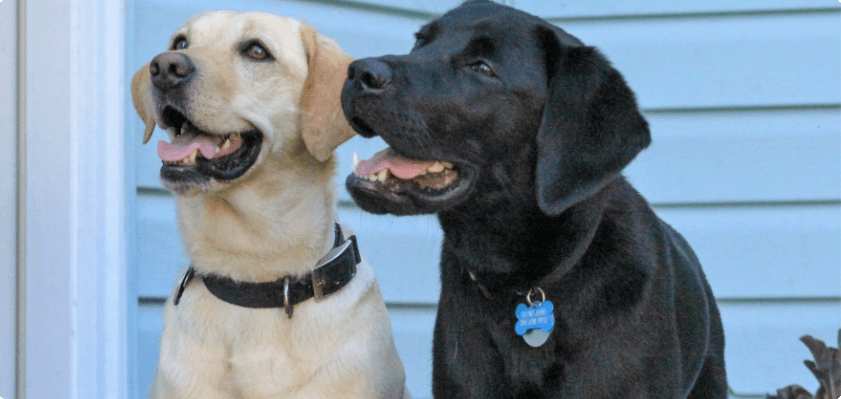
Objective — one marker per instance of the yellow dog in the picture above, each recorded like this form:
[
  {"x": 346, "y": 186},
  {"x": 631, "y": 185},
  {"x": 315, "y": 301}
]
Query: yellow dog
[{"x": 251, "y": 105}]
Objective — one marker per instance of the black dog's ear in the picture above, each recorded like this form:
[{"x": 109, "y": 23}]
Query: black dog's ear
[{"x": 591, "y": 127}]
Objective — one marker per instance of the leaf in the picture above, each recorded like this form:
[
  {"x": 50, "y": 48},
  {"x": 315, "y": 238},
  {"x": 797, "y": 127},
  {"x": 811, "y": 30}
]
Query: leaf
[
  {"x": 826, "y": 367},
  {"x": 791, "y": 392}
]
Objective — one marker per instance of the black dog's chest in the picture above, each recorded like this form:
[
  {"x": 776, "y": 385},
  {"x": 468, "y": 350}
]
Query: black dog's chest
[{"x": 563, "y": 367}]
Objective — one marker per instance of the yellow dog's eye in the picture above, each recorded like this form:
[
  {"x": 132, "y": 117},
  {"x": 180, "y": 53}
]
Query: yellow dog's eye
[
  {"x": 258, "y": 52},
  {"x": 180, "y": 44}
]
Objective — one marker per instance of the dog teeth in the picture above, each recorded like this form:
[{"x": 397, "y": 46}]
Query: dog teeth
[
  {"x": 227, "y": 143},
  {"x": 447, "y": 164},
  {"x": 236, "y": 136},
  {"x": 355, "y": 160},
  {"x": 436, "y": 167},
  {"x": 382, "y": 175},
  {"x": 193, "y": 156}
]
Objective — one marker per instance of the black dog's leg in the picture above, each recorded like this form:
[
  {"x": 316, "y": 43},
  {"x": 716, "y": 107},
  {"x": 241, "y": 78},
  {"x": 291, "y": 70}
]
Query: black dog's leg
[
  {"x": 712, "y": 382},
  {"x": 464, "y": 362}
]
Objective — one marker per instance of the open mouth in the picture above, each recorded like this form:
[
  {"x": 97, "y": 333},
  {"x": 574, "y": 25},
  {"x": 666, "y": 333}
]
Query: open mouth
[
  {"x": 390, "y": 168},
  {"x": 418, "y": 186},
  {"x": 194, "y": 155}
]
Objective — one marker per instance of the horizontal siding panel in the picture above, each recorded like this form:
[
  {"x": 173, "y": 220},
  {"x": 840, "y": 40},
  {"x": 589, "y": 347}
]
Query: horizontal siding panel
[
  {"x": 741, "y": 156},
  {"x": 430, "y": 7},
  {"x": 148, "y": 164},
  {"x": 746, "y": 251},
  {"x": 412, "y": 327},
  {"x": 160, "y": 255},
  {"x": 571, "y": 9},
  {"x": 582, "y": 8},
  {"x": 150, "y": 326},
  {"x": 723, "y": 61},
  {"x": 765, "y": 251},
  {"x": 613, "y": 8},
  {"x": 403, "y": 251}
]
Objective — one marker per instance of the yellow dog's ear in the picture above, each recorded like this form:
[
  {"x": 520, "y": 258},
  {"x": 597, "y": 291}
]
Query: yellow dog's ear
[
  {"x": 140, "y": 85},
  {"x": 323, "y": 124}
]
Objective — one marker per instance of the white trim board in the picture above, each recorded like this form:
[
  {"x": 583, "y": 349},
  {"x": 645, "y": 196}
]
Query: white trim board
[
  {"x": 75, "y": 302},
  {"x": 8, "y": 197}
]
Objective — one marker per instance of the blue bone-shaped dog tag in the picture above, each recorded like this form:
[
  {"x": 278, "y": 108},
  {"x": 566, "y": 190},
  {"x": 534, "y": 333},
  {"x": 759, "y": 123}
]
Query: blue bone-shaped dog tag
[
  {"x": 540, "y": 316},
  {"x": 535, "y": 323}
]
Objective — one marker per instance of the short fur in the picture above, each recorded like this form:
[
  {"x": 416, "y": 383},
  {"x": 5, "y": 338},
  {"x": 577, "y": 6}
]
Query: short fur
[
  {"x": 539, "y": 139},
  {"x": 276, "y": 220}
]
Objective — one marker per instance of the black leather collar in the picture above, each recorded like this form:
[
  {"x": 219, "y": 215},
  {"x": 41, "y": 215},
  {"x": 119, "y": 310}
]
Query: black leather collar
[{"x": 331, "y": 274}]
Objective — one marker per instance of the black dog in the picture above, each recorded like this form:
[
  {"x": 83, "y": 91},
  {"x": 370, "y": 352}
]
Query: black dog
[{"x": 532, "y": 129}]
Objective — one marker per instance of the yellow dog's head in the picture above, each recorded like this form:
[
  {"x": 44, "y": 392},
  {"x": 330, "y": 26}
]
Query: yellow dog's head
[{"x": 235, "y": 90}]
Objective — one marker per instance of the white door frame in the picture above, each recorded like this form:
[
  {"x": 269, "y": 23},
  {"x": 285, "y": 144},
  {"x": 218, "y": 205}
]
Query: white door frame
[
  {"x": 8, "y": 196},
  {"x": 73, "y": 333}
]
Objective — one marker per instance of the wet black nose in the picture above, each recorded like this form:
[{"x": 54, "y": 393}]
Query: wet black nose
[
  {"x": 171, "y": 69},
  {"x": 371, "y": 74}
]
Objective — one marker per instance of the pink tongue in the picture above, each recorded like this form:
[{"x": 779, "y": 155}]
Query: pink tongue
[
  {"x": 175, "y": 152},
  {"x": 401, "y": 167},
  {"x": 184, "y": 145}
]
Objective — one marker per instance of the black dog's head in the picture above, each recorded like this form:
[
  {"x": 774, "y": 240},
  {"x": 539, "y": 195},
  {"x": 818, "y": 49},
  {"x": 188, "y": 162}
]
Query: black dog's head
[{"x": 508, "y": 110}]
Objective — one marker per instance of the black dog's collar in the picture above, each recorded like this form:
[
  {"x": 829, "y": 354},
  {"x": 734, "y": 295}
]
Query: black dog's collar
[
  {"x": 331, "y": 274},
  {"x": 480, "y": 285},
  {"x": 487, "y": 293}
]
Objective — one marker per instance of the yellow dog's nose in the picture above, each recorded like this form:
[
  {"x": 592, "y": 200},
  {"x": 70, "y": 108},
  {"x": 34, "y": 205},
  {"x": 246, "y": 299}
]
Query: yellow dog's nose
[{"x": 171, "y": 69}]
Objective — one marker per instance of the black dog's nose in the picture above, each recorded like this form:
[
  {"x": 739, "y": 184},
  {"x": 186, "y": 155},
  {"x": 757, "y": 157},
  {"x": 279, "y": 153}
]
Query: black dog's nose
[
  {"x": 372, "y": 74},
  {"x": 170, "y": 69}
]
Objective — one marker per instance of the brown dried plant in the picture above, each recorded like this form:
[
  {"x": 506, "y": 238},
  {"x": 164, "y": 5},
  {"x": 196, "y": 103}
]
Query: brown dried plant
[{"x": 826, "y": 368}]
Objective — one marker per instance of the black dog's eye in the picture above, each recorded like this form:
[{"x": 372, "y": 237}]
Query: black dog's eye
[
  {"x": 179, "y": 43},
  {"x": 420, "y": 39},
  {"x": 482, "y": 68}
]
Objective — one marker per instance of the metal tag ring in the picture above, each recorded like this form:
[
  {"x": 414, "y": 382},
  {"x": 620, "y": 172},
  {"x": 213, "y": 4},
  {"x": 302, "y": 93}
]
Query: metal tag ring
[{"x": 531, "y": 291}]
